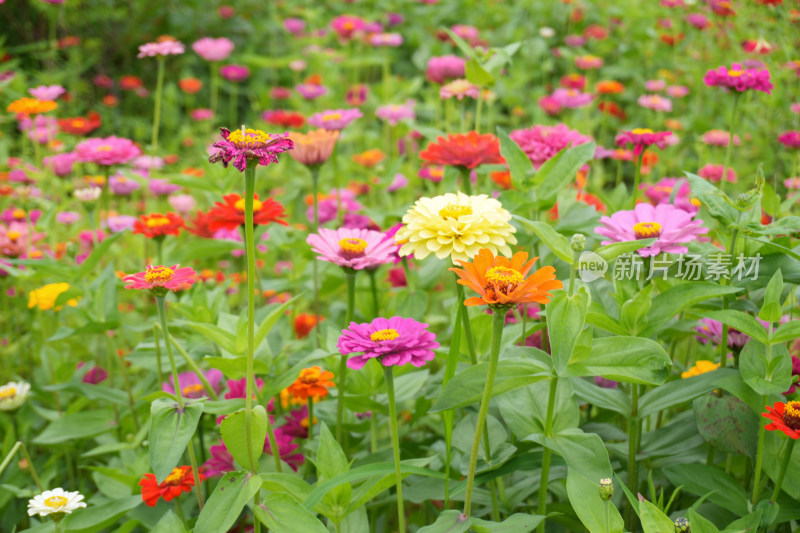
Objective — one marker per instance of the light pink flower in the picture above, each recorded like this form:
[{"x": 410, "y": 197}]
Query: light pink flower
[
  {"x": 571, "y": 99},
  {"x": 161, "y": 277},
  {"x": 443, "y": 68},
  {"x": 541, "y": 143},
  {"x": 719, "y": 138},
  {"x": 352, "y": 248},
  {"x": 655, "y": 102},
  {"x": 107, "y": 151},
  {"x": 47, "y": 92},
  {"x": 395, "y": 113},
  {"x": 212, "y": 49},
  {"x": 714, "y": 173},
  {"x": 164, "y": 48},
  {"x": 459, "y": 89}
]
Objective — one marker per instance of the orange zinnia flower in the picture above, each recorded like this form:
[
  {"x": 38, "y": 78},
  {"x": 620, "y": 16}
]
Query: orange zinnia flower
[
  {"x": 468, "y": 150},
  {"x": 304, "y": 323},
  {"x": 370, "y": 158},
  {"x": 785, "y": 417},
  {"x": 230, "y": 214},
  {"x": 180, "y": 480},
  {"x": 315, "y": 147},
  {"x": 157, "y": 225},
  {"x": 501, "y": 282},
  {"x": 311, "y": 383},
  {"x": 609, "y": 87},
  {"x": 31, "y": 106},
  {"x": 190, "y": 85}
]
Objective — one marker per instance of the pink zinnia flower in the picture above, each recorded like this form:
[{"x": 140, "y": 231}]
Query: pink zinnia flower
[
  {"x": 655, "y": 86},
  {"x": 677, "y": 91},
  {"x": 352, "y": 248},
  {"x": 234, "y": 73},
  {"x": 346, "y": 25},
  {"x": 122, "y": 185},
  {"x": 67, "y": 217},
  {"x": 237, "y": 388},
  {"x": 164, "y": 48},
  {"x": 394, "y": 341},
  {"x": 739, "y": 78},
  {"x": 795, "y": 108},
  {"x": 329, "y": 205},
  {"x": 162, "y": 187},
  {"x": 719, "y": 138},
  {"x": 107, "y": 151},
  {"x": 541, "y": 143},
  {"x": 550, "y": 105},
  {"x": 95, "y": 375},
  {"x": 790, "y": 139},
  {"x": 395, "y": 113},
  {"x": 571, "y": 99},
  {"x": 670, "y": 225},
  {"x": 191, "y": 386},
  {"x": 294, "y": 26},
  {"x": 310, "y": 91},
  {"x": 711, "y": 331},
  {"x": 588, "y": 62},
  {"x": 212, "y": 49},
  {"x": 443, "y": 68},
  {"x": 662, "y": 192},
  {"x": 253, "y": 146},
  {"x": 61, "y": 164},
  {"x": 398, "y": 182},
  {"x": 182, "y": 203},
  {"x": 334, "y": 119},
  {"x": 47, "y": 92},
  {"x": 574, "y": 40},
  {"x": 202, "y": 114},
  {"x": 120, "y": 223},
  {"x": 386, "y": 39},
  {"x": 714, "y": 173},
  {"x": 642, "y": 138},
  {"x": 161, "y": 279},
  {"x": 459, "y": 89},
  {"x": 792, "y": 183},
  {"x": 698, "y": 20},
  {"x": 357, "y": 94},
  {"x": 655, "y": 102}
]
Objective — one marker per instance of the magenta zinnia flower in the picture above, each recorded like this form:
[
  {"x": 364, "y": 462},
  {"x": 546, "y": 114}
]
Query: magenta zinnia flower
[
  {"x": 352, "y": 248},
  {"x": 164, "y": 48},
  {"x": 541, "y": 143},
  {"x": 642, "y": 138},
  {"x": 790, "y": 139},
  {"x": 161, "y": 278},
  {"x": 670, "y": 225},
  {"x": 711, "y": 331},
  {"x": 441, "y": 69},
  {"x": 571, "y": 99},
  {"x": 720, "y": 138},
  {"x": 191, "y": 386},
  {"x": 334, "y": 119},
  {"x": 310, "y": 91},
  {"x": 662, "y": 192},
  {"x": 714, "y": 173},
  {"x": 107, "y": 151},
  {"x": 394, "y": 341},
  {"x": 212, "y": 49},
  {"x": 248, "y": 145},
  {"x": 739, "y": 78},
  {"x": 234, "y": 73}
]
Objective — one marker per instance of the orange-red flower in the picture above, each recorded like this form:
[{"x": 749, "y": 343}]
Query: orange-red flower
[
  {"x": 199, "y": 225},
  {"x": 502, "y": 178},
  {"x": 609, "y": 87},
  {"x": 157, "y": 225},
  {"x": 31, "y": 106},
  {"x": 304, "y": 323},
  {"x": 311, "y": 383},
  {"x": 80, "y": 125},
  {"x": 467, "y": 150},
  {"x": 785, "y": 417},
  {"x": 502, "y": 282},
  {"x": 178, "y": 481},
  {"x": 130, "y": 83},
  {"x": 229, "y": 214},
  {"x": 370, "y": 158},
  {"x": 190, "y": 85}
]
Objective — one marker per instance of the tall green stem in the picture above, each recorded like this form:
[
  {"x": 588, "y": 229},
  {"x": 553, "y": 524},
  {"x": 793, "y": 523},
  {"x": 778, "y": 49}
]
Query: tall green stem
[
  {"x": 546, "y": 453},
  {"x": 310, "y": 417},
  {"x": 350, "y": 278},
  {"x": 732, "y": 125},
  {"x": 449, "y": 372},
  {"x": 473, "y": 355},
  {"x": 162, "y": 313},
  {"x": 157, "y": 109},
  {"x": 466, "y": 182},
  {"x": 787, "y": 455},
  {"x": 636, "y": 179},
  {"x": 214, "y": 85},
  {"x": 374, "y": 288},
  {"x": 314, "y": 192},
  {"x": 759, "y": 453},
  {"x": 633, "y": 425},
  {"x": 388, "y": 374},
  {"x": 498, "y": 322}
]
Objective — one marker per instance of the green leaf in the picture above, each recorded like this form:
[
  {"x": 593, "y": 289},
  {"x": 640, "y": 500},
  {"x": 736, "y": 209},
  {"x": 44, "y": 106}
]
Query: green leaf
[
  {"x": 466, "y": 387},
  {"x": 672, "y": 301},
  {"x": 653, "y": 520},
  {"x": 230, "y": 496},
  {"x": 451, "y": 521},
  {"x": 289, "y": 483},
  {"x": 203, "y": 249},
  {"x": 234, "y": 434},
  {"x": 169, "y": 523},
  {"x": 559, "y": 171},
  {"x": 94, "y": 258},
  {"x": 566, "y": 316},
  {"x": 557, "y": 243},
  {"x": 611, "y": 399},
  {"x": 745, "y": 323},
  {"x": 519, "y": 164},
  {"x": 766, "y": 369},
  {"x": 465, "y": 48},
  {"x": 786, "y": 332},
  {"x": 584, "y": 495},
  {"x": 477, "y": 75},
  {"x": 272, "y": 319},
  {"x": 171, "y": 429},
  {"x": 217, "y": 335},
  {"x": 633, "y": 313},
  {"x": 516, "y": 523},
  {"x": 584, "y": 452},
  {"x": 701, "y": 480},
  {"x": 97, "y": 517},
  {"x": 700, "y": 524},
  {"x": 628, "y": 359},
  {"x": 74, "y": 426},
  {"x": 771, "y": 309},
  {"x": 282, "y": 514},
  {"x": 236, "y": 367},
  {"x": 609, "y": 252},
  {"x": 681, "y": 391},
  {"x": 746, "y": 524},
  {"x": 713, "y": 200},
  {"x": 524, "y": 422}
]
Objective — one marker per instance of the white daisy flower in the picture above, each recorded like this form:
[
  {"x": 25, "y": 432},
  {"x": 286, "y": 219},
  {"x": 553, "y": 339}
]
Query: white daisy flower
[
  {"x": 13, "y": 394},
  {"x": 54, "y": 502}
]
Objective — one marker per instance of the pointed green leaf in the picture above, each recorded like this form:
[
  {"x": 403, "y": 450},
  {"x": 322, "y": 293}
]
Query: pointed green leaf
[
  {"x": 171, "y": 429},
  {"x": 230, "y": 496},
  {"x": 234, "y": 434}
]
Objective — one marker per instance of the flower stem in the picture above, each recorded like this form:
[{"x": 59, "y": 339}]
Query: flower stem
[
  {"x": 636, "y": 178},
  {"x": 350, "y": 278},
  {"x": 157, "y": 107},
  {"x": 473, "y": 356},
  {"x": 498, "y": 321},
  {"x": 787, "y": 454},
  {"x": 310, "y": 417},
  {"x": 31, "y": 466},
  {"x": 158, "y": 354},
  {"x": 315, "y": 192},
  {"x": 633, "y": 476},
  {"x": 374, "y": 289},
  {"x": 465, "y": 180},
  {"x": 214, "y": 86},
  {"x": 759, "y": 454},
  {"x": 732, "y": 125},
  {"x": 546, "y": 452},
  {"x": 449, "y": 372},
  {"x": 196, "y": 369},
  {"x": 388, "y": 374}
]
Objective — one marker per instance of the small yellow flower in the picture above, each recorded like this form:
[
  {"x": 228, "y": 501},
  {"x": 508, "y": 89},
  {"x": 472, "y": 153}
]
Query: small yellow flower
[
  {"x": 45, "y": 297},
  {"x": 700, "y": 367}
]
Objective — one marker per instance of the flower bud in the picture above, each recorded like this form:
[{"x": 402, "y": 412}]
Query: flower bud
[
  {"x": 606, "y": 488},
  {"x": 682, "y": 525},
  {"x": 577, "y": 242}
]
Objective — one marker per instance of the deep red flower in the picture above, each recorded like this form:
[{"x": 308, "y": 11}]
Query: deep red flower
[
  {"x": 304, "y": 323},
  {"x": 612, "y": 109},
  {"x": 785, "y": 417},
  {"x": 158, "y": 225},
  {"x": 80, "y": 125},
  {"x": 199, "y": 225},
  {"x": 180, "y": 480},
  {"x": 468, "y": 150},
  {"x": 229, "y": 214},
  {"x": 130, "y": 83},
  {"x": 285, "y": 119}
]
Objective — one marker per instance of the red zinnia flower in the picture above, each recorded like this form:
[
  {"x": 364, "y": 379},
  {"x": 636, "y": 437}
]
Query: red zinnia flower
[
  {"x": 468, "y": 150},
  {"x": 785, "y": 417},
  {"x": 157, "y": 225},
  {"x": 230, "y": 214},
  {"x": 180, "y": 480},
  {"x": 130, "y": 83},
  {"x": 285, "y": 119},
  {"x": 200, "y": 225},
  {"x": 80, "y": 125},
  {"x": 304, "y": 323}
]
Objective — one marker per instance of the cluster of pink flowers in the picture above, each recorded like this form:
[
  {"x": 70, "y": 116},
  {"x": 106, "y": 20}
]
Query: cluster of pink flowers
[
  {"x": 739, "y": 78},
  {"x": 714, "y": 173},
  {"x": 107, "y": 151},
  {"x": 790, "y": 139}
]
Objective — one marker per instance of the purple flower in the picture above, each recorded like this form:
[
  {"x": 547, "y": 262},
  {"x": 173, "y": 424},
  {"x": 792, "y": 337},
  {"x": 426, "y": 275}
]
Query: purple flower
[
  {"x": 253, "y": 146},
  {"x": 47, "y": 92},
  {"x": 122, "y": 185},
  {"x": 351, "y": 248},
  {"x": 395, "y": 113},
  {"x": 191, "y": 386},
  {"x": 294, "y": 26},
  {"x": 571, "y": 98},
  {"x": 541, "y": 143},
  {"x": 394, "y": 341},
  {"x": 164, "y": 48},
  {"x": 671, "y": 226},
  {"x": 95, "y": 375},
  {"x": 739, "y": 78},
  {"x": 310, "y": 91},
  {"x": 443, "y": 68},
  {"x": 212, "y": 49},
  {"x": 334, "y": 119},
  {"x": 234, "y": 73},
  {"x": 711, "y": 331}
]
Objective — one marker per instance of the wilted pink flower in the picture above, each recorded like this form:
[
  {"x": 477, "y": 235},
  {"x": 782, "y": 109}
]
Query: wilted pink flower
[
  {"x": 95, "y": 375},
  {"x": 107, "y": 151},
  {"x": 47, "y": 92},
  {"x": 163, "y": 48},
  {"x": 655, "y": 102},
  {"x": 714, "y": 173},
  {"x": 739, "y": 78},
  {"x": 212, "y": 49},
  {"x": 443, "y": 68},
  {"x": 790, "y": 139},
  {"x": 234, "y": 73},
  {"x": 571, "y": 99},
  {"x": 541, "y": 143},
  {"x": 310, "y": 91}
]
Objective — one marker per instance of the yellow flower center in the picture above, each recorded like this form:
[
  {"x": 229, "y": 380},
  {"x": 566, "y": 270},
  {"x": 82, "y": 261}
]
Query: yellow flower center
[
  {"x": 190, "y": 390},
  {"x": 156, "y": 222},
  {"x": 503, "y": 278},
  {"x": 696, "y": 202},
  {"x": 641, "y": 131},
  {"x": 647, "y": 230},
  {"x": 352, "y": 247},
  {"x": 10, "y": 392},
  {"x": 331, "y": 116},
  {"x": 14, "y": 235},
  {"x": 248, "y": 138},
  {"x": 384, "y": 335},
  {"x": 104, "y": 148},
  {"x": 18, "y": 214},
  {"x": 455, "y": 211},
  {"x": 791, "y": 415},
  {"x": 239, "y": 205},
  {"x": 304, "y": 422},
  {"x": 310, "y": 375},
  {"x": 55, "y": 502},
  {"x": 158, "y": 275},
  {"x": 735, "y": 73},
  {"x": 174, "y": 477}
]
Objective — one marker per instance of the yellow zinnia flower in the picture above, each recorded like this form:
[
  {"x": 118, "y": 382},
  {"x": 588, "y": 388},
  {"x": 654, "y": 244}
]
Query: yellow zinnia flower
[
  {"x": 45, "y": 297},
  {"x": 455, "y": 226},
  {"x": 700, "y": 367}
]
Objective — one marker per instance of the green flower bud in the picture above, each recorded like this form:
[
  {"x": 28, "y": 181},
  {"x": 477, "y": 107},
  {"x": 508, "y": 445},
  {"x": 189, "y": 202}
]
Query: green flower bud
[
  {"x": 682, "y": 525},
  {"x": 606, "y": 488},
  {"x": 577, "y": 242}
]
